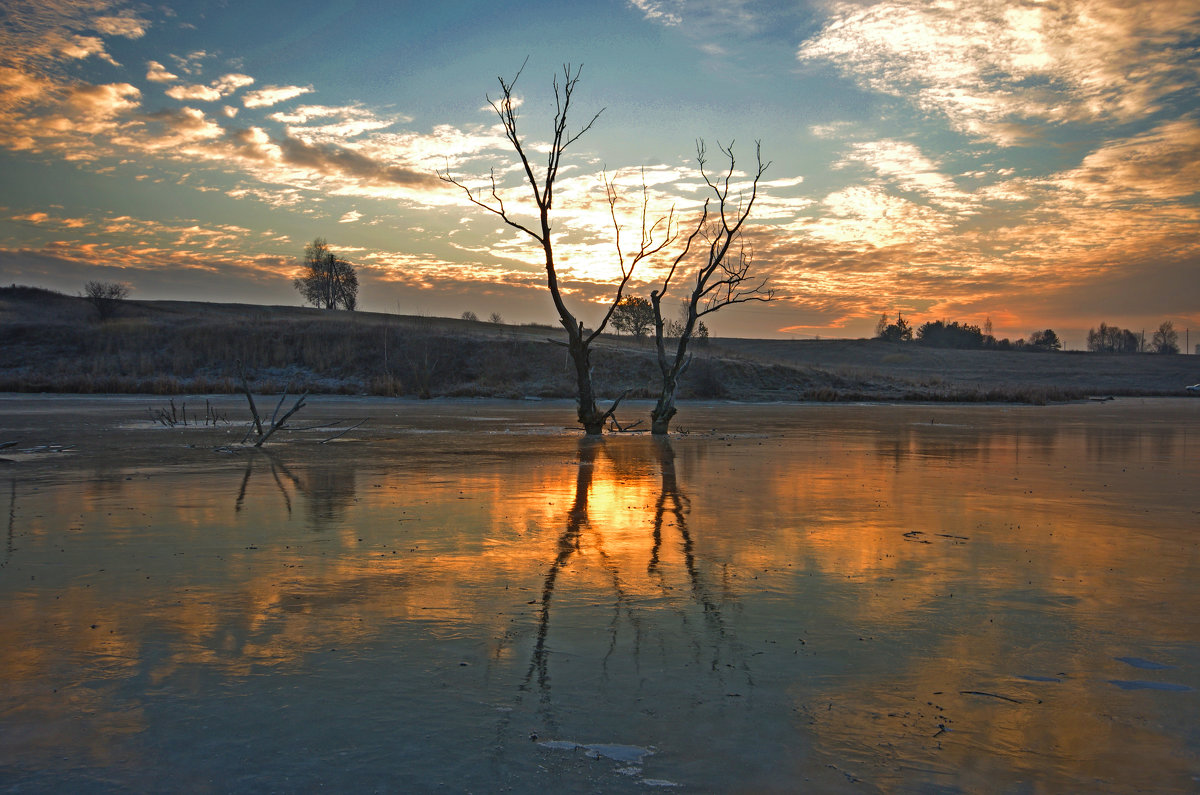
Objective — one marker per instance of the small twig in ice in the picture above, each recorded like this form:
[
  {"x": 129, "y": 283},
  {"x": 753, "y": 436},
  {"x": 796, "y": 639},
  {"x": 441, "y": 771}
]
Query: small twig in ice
[
  {"x": 989, "y": 695},
  {"x": 343, "y": 433}
]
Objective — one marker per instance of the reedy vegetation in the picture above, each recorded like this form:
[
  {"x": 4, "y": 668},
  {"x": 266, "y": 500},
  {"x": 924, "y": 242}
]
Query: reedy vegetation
[{"x": 51, "y": 342}]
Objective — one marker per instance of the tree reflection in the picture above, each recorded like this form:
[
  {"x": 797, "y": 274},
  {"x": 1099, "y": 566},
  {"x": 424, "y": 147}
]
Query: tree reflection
[
  {"x": 672, "y": 499},
  {"x": 329, "y": 488},
  {"x": 568, "y": 545},
  {"x": 642, "y": 607}
]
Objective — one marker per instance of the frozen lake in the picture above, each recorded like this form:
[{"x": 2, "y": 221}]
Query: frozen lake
[{"x": 470, "y": 596}]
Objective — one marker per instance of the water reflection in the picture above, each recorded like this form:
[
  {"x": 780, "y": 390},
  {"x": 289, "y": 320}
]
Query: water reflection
[
  {"x": 859, "y": 600},
  {"x": 328, "y": 489},
  {"x": 625, "y": 566},
  {"x": 568, "y": 545},
  {"x": 671, "y": 499},
  {"x": 12, "y": 519}
]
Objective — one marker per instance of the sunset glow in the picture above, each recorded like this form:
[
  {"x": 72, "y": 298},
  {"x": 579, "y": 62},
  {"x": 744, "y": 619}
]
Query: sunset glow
[{"x": 1035, "y": 163}]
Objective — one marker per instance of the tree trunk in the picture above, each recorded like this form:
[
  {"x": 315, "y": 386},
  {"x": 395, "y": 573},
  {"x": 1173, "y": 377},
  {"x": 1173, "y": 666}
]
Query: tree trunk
[
  {"x": 664, "y": 410},
  {"x": 590, "y": 417}
]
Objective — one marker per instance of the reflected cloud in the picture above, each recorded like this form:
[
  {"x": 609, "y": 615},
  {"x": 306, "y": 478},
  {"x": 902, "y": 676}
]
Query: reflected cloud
[{"x": 891, "y": 593}]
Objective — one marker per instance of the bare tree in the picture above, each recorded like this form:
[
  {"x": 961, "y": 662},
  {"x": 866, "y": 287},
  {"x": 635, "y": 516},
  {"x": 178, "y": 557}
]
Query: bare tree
[
  {"x": 105, "y": 296},
  {"x": 1165, "y": 339},
  {"x": 327, "y": 281},
  {"x": 722, "y": 278},
  {"x": 542, "y": 187}
]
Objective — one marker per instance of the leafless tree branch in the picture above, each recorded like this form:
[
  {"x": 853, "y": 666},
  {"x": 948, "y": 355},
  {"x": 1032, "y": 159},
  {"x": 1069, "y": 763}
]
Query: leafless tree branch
[{"x": 722, "y": 278}]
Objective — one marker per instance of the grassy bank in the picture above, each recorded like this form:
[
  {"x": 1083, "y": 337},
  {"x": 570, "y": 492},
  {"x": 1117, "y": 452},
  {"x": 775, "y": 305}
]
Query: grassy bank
[{"x": 55, "y": 343}]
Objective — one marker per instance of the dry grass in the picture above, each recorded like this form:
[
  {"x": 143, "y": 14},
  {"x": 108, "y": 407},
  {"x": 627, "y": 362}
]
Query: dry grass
[{"x": 55, "y": 343}]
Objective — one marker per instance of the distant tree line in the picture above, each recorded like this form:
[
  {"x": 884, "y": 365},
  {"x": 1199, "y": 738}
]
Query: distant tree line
[
  {"x": 953, "y": 334},
  {"x": 495, "y": 318},
  {"x": 1114, "y": 339}
]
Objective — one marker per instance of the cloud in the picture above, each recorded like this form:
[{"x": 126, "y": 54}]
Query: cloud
[
  {"x": 350, "y": 217},
  {"x": 985, "y": 65},
  {"x": 190, "y": 63},
  {"x": 904, "y": 165},
  {"x": 45, "y": 219},
  {"x": 174, "y": 129},
  {"x": 336, "y": 123},
  {"x": 272, "y": 197},
  {"x": 272, "y": 95},
  {"x": 104, "y": 101},
  {"x": 221, "y": 87},
  {"x": 81, "y": 47},
  {"x": 227, "y": 84},
  {"x": 348, "y": 162},
  {"x": 126, "y": 24},
  {"x": 869, "y": 215},
  {"x": 665, "y": 12},
  {"x": 1160, "y": 164},
  {"x": 33, "y": 218},
  {"x": 194, "y": 93},
  {"x": 157, "y": 73},
  {"x": 715, "y": 20},
  {"x": 38, "y": 36},
  {"x": 837, "y": 130},
  {"x": 18, "y": 87},
  {"x": 787, "y": 182}
]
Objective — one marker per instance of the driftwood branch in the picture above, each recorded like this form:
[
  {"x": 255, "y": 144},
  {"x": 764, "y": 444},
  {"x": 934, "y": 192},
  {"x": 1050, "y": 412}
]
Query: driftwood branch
[
  {"x": 343, "y": 433},
  {"x": 617, "y": 427},
  {"x": 277, "y": 422},
  {"x": 249, "y": 397},
  {"x": 613, "y": 408},
  {"x": 299, "y": 404}
]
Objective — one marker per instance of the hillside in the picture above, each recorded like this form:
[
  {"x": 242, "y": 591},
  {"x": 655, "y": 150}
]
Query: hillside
[{"x": 51, "y": 342}]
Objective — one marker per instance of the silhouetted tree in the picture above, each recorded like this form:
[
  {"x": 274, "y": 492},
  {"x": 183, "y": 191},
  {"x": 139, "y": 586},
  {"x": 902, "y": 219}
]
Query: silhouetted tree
[
  {"x": 1165, "y": 339},
  {"x": 940, "y": 334},
  {"x": 721, "y": 278},
  {"x": 496, "y": 318},
  {"x": 105, "y": 296},
  {"x": 899, "y": 331},
  {"x": 541, "y": 188},
  {"x": 634, "y": 315},
  {"x": 327, "y": 282},
  {"x": 471, "y": 316},
  {"x": 1045, "y": 340},
  {"x": 1113, "y": 339}
]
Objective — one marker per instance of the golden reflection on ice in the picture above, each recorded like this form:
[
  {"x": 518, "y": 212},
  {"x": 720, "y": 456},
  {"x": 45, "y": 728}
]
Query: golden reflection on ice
[{"x": 919, "y": 590}]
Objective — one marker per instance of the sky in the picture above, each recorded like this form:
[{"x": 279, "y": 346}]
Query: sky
[{"x": 1032, "y": 164}]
